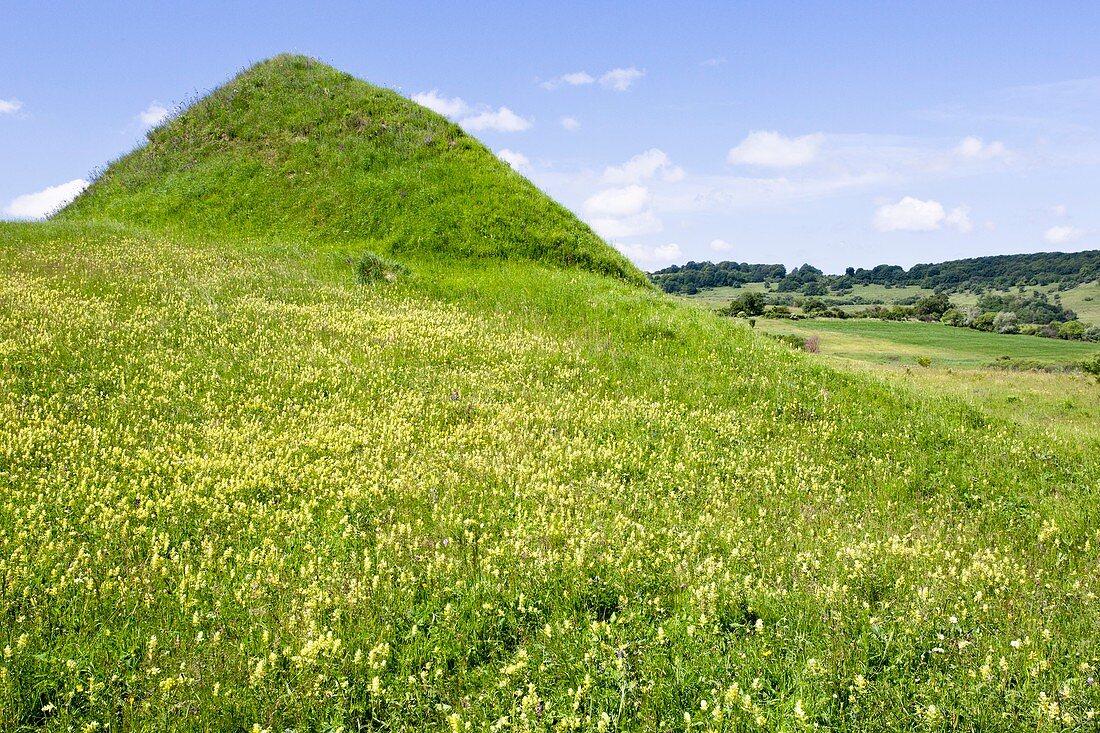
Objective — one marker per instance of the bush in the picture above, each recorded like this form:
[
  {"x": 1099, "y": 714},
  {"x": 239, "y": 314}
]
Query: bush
[
  {"x": 953, "y": 317},
  {"x": 749, "y": 304},
  {"x": 1005, "y": 322},
  {"x": 372, "y": 268},
  {"x": 1092, "y": 366},
  {"x": 924, "y": 361},
  {"x": 1072, "y": 331},
  {"x": 984, "y": 322},
  {"x": 813, "y": 344},
  {"x": 1092, "y": 333}
]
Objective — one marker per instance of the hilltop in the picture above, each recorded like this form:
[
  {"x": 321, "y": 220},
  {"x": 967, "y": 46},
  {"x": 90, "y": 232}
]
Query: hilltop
[
  {"x": 294, "y": 149},
  {"x": 242, "y": 488}
]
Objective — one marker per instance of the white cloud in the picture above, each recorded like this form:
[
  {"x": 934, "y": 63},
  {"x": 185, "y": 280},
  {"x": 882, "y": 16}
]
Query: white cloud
[
  {"x": 642, "y": 255},
  {"x": 974, "y": 148},
  {"x": 610, "y": 227},
  {"x": 715, "y": 61},
  {"x": 910, "y": 215},
  {"x": 1062, "y": 234},
  {"x": 518, "y": 161},
  {"x": 10, "y": 106},
  {"x": 433, "y": 100},
  {"x": 503, "y": 120},
  {"x": 43, "y": 203},
  {"x": 644, "y": 166},
  {"x": 621, "y": 212},
  {"x": 570, "y": 123},
  {"x": 772, "y": 150},
  {"x": 720, "y": 245},
  {"x": 959, "y": 220},
  {"x": 621, "y": 79},
  {"x": 574, "y": 79},
  {"x": 154, "y": 114},
  {"x": 617, "y": 201}
]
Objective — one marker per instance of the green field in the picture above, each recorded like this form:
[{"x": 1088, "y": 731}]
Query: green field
[
  {"x": 511, "y": 488},
  {"x": 904, "y": 341}
]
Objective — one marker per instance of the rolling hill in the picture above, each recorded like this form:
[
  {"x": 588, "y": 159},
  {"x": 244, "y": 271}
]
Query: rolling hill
[{"x": 512, "y": 488}]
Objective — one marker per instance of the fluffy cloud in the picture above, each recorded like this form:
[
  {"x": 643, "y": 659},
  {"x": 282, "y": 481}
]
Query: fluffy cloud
[
  {"x": 772, "y": 150},
  {"x": 154, "y": 114},
  {"x": 644, "y": 166},
  {"x": 910, "y": 215},
  {"x": 642, "y": 255},
  {"x": 570, "y": 123},
  {"x": 621, "y": 212},
  {"x": 43, "y": 203},
  {"x": 974, "y": 148},
  {"x": 1062, "y": 234},
  {"x": 617, "y": 201},
  {"x": 621, "y": 79},
  {"x": 720, "y": 245},
  {"x": 915, "y": 215},
  {"x": 518, "y": 161},
  {"x": 575, "y": 79},
  {"x": 503, "y": 120},
  {"x": 436, "y": 102},
  {"x": 10, "y": 106},
  {"x": 959, "y": 219}
]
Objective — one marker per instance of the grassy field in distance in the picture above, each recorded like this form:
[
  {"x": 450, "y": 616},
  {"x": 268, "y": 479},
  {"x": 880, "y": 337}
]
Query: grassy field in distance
[{"x": 904, "y": 341}]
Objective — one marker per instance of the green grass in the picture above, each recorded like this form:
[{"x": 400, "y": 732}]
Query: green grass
[
  {"x": 240, "y": 489},
  {"x": 903, "y": 341},
  {"x": 295, "y": 149}
]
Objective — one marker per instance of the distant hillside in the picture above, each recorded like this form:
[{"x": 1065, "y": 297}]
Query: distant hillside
[
  {"x": 977, "y": 273},
  {"x": 296, "y": 149}
]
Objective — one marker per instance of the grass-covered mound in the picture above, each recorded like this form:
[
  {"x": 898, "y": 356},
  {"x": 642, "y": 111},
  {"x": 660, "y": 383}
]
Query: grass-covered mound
[{"x": 294, "y": 149}]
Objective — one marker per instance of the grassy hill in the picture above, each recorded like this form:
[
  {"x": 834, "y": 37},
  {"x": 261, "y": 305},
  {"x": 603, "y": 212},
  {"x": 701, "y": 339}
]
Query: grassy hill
[
  {"x": 294, "y": 149},
  {"x": 239, "y": 489}
]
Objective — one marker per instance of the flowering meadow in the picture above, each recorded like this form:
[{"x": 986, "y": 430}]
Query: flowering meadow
[{"x": 240, "y": 490}]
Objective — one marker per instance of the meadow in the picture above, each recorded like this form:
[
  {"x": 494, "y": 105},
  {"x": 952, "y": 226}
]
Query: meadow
[{"x": 241, "y": 489}]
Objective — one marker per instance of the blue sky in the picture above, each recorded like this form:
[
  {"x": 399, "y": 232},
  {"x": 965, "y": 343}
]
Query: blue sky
[{"x": 834, "y": 133}]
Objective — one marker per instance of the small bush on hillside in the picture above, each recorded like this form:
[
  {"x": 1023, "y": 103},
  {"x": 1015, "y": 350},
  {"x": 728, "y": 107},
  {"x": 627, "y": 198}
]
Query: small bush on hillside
[
  {"x": 924, "y": 361},
  {"x": 372, "y": 268},
  {"x": 813, "y": 344}
]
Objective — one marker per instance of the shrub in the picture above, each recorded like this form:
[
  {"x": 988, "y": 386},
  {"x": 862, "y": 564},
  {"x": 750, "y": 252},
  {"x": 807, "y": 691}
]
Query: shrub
[
  {"x": 984, "y": 322},
  {"x": 813, "y": 344},
  {"x": 1092, "y": 366},
  {"x": 1072, "y": 330},
  {"x": 924, "y": 361},
  {"x": 1005, "y": 322},
  {"x": 953, "y": 317},
  {"x": 1092, "y": 333},
  {"x": 372, "y": 268}
]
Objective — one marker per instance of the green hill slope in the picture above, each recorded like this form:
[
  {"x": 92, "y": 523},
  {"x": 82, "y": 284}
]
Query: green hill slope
[
  {"x": 240, "y": 490},
  {"x": 294, "y": 149}
]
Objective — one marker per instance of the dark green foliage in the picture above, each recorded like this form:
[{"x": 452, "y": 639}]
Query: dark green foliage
[
  {"x": 748, "y": 304},
  {"x": 999, "y": 272},
  {"x": 689, "y": 278},
  {"x": 933, "y": 307},
  {"x": 1034, "y": 307},
  {"x": 294, "y": 149}
]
